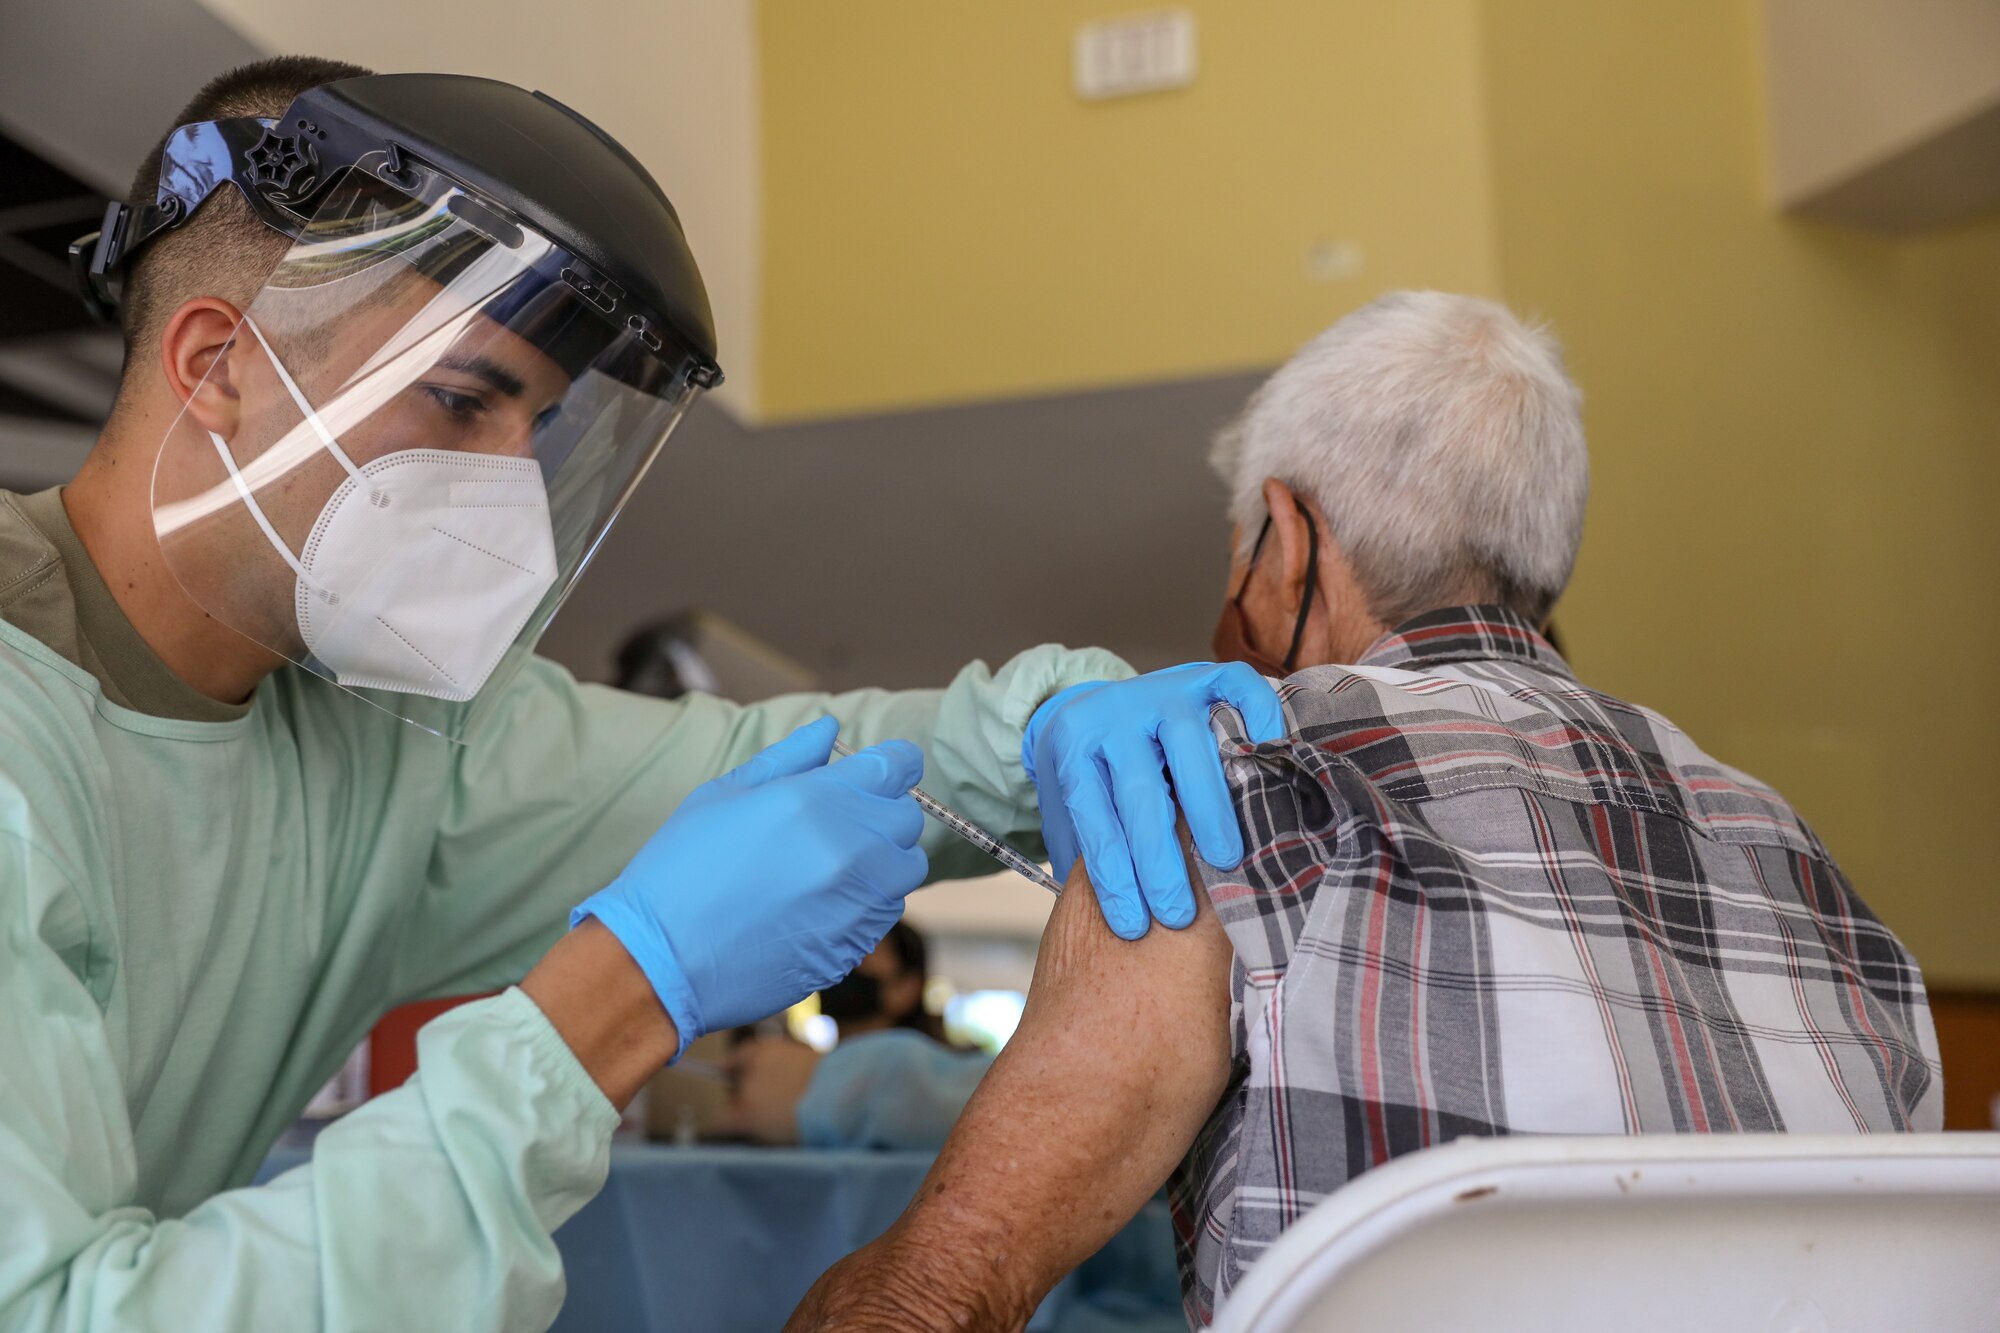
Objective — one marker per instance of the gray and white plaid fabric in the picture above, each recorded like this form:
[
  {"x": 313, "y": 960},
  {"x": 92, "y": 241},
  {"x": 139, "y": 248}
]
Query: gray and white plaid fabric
[{"x": 1483, "y": 899}]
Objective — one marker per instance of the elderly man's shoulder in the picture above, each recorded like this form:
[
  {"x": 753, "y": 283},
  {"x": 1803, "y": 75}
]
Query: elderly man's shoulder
[
  {"x": 1371, "y": 696},
  {"x": 1452, "y": 728}
]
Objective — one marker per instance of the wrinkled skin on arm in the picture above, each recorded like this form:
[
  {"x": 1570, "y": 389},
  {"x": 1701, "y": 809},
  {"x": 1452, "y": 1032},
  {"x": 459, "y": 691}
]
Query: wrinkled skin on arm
[{"x": 1121, "y": 1054}]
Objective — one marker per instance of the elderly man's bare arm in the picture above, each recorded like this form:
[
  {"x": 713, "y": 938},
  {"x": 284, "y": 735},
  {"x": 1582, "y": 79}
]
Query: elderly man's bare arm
[{"x": 1121, "y": 1054}]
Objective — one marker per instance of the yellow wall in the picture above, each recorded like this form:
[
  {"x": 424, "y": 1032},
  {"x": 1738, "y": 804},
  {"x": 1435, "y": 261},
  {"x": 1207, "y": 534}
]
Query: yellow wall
[
  {"x": 1796, "y": 435},
  {"x": 945, "y": 220}
]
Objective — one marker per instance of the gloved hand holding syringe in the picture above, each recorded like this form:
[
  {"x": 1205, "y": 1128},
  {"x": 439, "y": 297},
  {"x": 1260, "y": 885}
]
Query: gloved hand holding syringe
[{"x": 977, "y": 836}]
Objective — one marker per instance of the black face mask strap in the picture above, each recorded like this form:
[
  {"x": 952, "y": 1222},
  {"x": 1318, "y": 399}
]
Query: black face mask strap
[
  {"x": 1256, "y": 549},
  {"x": 1312, "y": 582}
]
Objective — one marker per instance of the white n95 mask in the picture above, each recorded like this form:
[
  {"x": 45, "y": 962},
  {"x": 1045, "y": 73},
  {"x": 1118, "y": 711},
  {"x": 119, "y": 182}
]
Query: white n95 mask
[
  {"x": 423, "y": 565},
  {"x": 423, "y": 568}
]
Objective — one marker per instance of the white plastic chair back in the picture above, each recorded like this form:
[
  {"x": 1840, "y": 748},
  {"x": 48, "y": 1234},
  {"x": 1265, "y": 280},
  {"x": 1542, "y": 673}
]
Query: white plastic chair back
[{"x": 1770, "y": 1233}]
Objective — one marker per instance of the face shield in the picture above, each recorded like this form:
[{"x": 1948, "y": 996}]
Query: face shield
[{"x": 394, "y": 471}]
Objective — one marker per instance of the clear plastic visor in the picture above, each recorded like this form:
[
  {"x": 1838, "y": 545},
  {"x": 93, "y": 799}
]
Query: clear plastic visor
[{"x": 395, "y": 467}]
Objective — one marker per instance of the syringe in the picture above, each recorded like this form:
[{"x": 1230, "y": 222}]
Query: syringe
[{"x": 977, "y": 836}]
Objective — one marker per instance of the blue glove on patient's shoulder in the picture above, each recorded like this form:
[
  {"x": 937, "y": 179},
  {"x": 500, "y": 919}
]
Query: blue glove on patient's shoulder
[{"x": 1099, "y": 754}]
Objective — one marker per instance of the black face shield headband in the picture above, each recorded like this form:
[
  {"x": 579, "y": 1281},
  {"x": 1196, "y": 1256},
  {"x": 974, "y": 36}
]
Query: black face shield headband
[{"x": 622, "y": 249}]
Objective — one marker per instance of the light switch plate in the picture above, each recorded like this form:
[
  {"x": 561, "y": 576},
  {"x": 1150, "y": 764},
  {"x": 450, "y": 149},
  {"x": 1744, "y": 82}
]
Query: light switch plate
[{"x": 1133, "y": 54}]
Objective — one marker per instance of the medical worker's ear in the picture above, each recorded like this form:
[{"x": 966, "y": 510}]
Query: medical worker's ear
[{"x": 195, "y": 356}]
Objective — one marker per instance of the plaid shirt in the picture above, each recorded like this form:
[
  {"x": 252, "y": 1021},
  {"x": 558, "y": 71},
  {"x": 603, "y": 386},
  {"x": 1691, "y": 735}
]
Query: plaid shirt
[{"x": 1483, "y": 899}]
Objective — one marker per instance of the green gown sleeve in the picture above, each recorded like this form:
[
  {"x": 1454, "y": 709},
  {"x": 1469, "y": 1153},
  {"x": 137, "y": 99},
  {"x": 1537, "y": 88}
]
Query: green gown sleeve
[
  {"x": 562, "y": 783},
  {"x": 429, "y": 1208}
]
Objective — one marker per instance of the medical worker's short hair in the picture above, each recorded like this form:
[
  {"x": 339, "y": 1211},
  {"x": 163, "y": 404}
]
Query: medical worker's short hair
[
  {"x": 224, "y": 249},
  {"x": 1443, "y": 441}
]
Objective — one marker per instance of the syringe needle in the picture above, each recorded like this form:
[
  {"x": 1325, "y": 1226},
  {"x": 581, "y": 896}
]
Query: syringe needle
[{"x": 977, "y": 836}]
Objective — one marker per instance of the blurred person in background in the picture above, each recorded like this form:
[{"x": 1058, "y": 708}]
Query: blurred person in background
[
  {"x": 893, "y": 1081},
  {"x": 887, "y": 991}
]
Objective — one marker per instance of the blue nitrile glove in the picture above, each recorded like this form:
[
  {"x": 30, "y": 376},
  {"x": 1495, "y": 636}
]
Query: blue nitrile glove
[
  {"x": 771, "y": 881},
  {"x": 1099, "y": 754}
]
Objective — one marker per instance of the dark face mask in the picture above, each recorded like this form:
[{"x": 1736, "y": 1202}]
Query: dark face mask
[
  {"x": 1232, "y": 630},
  {"x": 856, "y": 995}
]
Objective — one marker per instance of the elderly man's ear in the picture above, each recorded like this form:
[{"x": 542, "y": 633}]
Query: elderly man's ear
[
  {"x": 1289, "y": 547},
  {"x": 1339, "y": 625}
]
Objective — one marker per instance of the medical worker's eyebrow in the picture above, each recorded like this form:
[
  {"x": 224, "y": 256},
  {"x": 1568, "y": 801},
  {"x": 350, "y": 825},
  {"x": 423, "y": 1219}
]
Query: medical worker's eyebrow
[{"x": 503, "y": 380}]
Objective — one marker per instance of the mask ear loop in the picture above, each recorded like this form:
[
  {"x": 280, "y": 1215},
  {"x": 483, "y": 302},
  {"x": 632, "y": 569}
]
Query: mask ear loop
[
  {"x": 305, "y": 408},
  {"x": 1312, "y": 582},
  {"x": 1256, "y": 549},
  {"x": 243, "y": 487}
]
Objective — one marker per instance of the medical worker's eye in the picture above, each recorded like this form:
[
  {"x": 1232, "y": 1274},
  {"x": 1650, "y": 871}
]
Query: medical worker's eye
[{"x": 463, "y": 407}]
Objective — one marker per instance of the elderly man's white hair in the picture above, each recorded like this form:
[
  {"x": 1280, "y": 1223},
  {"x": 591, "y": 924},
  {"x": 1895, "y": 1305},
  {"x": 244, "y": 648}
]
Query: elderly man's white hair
[{"x": 1443, "y": 441}]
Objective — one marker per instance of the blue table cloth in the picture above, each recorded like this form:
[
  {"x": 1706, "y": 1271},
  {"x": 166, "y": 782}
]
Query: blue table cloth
[{"x": 718, "y": 1239}]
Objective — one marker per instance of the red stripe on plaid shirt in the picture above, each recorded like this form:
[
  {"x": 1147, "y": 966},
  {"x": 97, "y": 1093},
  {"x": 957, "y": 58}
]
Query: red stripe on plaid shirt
[
  {"x": 1600, "y": 822},
  {"x": 1370, "y": 1054},
  {"x": 1804, "y": 1006},
  {"x": 1552, "y": 866},
  {"x": 1857, "y": 999},
  {"x": 1418, "y": 1046}
]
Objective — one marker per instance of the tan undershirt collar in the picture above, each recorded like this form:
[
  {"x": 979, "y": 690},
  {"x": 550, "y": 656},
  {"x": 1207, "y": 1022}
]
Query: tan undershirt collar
[{"x": 91, "y": 628}]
